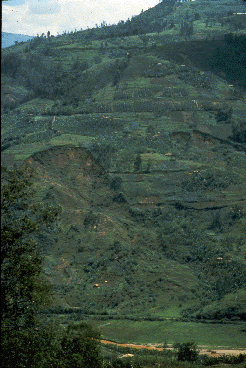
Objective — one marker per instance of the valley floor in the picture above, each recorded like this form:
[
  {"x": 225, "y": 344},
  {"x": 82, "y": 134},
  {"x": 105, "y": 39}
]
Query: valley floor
[{"x": 202, "y": 350}]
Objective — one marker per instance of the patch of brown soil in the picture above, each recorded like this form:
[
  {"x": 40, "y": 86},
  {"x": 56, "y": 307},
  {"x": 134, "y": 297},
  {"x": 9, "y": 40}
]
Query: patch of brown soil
[
  {"x": 219, "y": 352},
  {"x": 133, "y": 346},
  {"x": 203, "y": 351}
]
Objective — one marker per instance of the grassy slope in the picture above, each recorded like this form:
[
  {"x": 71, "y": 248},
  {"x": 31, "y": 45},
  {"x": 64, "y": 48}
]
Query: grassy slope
[{"x": 153, "y": 237}]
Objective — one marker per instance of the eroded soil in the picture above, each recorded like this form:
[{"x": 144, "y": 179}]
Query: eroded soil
[{"x": 202, "y": 350}]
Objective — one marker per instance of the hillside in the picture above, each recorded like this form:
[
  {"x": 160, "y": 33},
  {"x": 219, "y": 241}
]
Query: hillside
[{"x": 140, "y": 138}]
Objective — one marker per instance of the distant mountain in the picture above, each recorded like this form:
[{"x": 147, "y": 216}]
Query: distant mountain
[{"x": 8, "y": 39}]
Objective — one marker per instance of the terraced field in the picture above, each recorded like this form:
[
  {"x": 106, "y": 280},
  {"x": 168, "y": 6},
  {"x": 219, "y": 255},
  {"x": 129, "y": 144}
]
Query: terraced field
[{"x": 141, "y": 149}]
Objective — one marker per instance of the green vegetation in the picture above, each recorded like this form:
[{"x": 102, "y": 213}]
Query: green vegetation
[
  {"x": 136, "y": 133},
  {"x": 51, "y": 346},
  {"x": 231, "y": 56},
  {"x": 150, "y": 331},
  {"x": 26, "y": 342},
  {"x": 187, "y": 351},
  {"x": 22, "y": 286}
]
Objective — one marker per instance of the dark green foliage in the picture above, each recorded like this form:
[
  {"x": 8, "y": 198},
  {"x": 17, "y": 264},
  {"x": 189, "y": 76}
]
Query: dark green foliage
[
  {"x": 138, "y": 163},
  {"x": 188, "y": 246},
  {"x": 11, "y": 64},
  {"x": 18, "y": 349},
  {"x": 209, "y": 361},
  {"x": 52, "y": 346},
  {"x": 197, "y": 16},
  {"x": 211, "y": 179},
  {"x": 91, "y": 219},
  {"x": 187, "y": 351},
  {"x": 78, "y": 67},
  {"x": 103, "y": 153},
  {"x": 23, "y": 288},
  {"x": 186, "y": 28},
  {"x": 80, "y": 347},
  {"x": 224, "y": 115},
  {"x": 119, "y": 67},
  {"x": 116, "y": 183},
  {"x": 239, "y": 132},
  {"x": 228, "y": 277},
  {"x": 37, "y": 347},
  {"x": 196, "y": 78},
  {"x": 119, "y": 198},
  {"x": 231, "y": 57},
  {"x": 45, "y": 78},
  {"x": 120, "y": 363},
  {"x": 9, "y": 142}
]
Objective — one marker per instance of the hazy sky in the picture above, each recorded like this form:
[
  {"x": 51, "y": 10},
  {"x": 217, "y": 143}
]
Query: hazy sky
[{"x": 32, "y": 17}]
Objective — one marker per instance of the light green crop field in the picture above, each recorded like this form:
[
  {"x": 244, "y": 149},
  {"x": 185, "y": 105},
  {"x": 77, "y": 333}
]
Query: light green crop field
[{"x": 158, "y": 332}]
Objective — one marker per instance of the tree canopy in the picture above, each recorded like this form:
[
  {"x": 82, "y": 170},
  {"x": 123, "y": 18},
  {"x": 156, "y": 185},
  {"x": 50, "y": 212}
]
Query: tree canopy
[
  {"x": 23, "y": 287},
  {"x": 27, "y": 341}
]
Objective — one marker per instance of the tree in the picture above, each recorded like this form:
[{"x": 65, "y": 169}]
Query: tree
[
  {"x": 80, "y": 347},
  {"x": 51, "y": 345},
  {"x": 239, "y": 132},
  {"x": 11, "y": 64},
  {"x": 116, "y": 183},
  {"x": 187, "y": 351},
  {"x": 23, "y": 288},
  {"x": 138, "y": 163},
  {"x": 26, "y": 341}
]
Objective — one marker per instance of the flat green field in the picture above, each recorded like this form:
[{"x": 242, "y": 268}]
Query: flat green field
[{"x": 158, "y": 332}]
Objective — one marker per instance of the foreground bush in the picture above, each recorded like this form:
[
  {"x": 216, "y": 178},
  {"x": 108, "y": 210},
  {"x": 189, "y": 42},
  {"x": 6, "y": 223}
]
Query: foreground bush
[{"x": 52, "y": 346}]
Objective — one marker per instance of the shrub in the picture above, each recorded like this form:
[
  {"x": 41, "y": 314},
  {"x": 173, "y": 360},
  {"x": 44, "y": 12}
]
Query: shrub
[
  {"x": 187, "y": 351},
  {"x": 80, "y": 347},
  {"x": 52, "y": 346},
  {"x": 116, "y": 183},
  {"x": 11, "y": 64}
]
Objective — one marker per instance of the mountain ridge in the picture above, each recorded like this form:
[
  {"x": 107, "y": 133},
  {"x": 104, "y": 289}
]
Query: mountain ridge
[{"x": 9, "y": 39}]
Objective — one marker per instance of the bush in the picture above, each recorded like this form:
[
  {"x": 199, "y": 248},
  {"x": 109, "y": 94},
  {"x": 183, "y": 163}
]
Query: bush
[
  {"x": 116, "y": 183},
  {"x": 80, "y": 347},
  {"x": 239, "y": 132},
  {"x": 11, "y": 64},
  {"x": 52, "y": 346},
  {"x": 230, "y": 58},
  {"x": 187, "y": 351}
]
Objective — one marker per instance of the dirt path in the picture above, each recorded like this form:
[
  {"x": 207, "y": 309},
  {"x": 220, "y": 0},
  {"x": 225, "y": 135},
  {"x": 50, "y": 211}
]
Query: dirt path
[
  {"x": 203, "y": 350},
  {"x": 220, "y": 351},
  {"x": 133, "y": 346}
]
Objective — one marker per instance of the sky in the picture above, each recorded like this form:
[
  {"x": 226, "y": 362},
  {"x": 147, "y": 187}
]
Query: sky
[{"x": 32, "y": 17}]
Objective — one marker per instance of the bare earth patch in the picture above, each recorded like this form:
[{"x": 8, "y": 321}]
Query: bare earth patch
[
  {"x": 221, "y": 351},
  {"x": 204, "y": 350}
]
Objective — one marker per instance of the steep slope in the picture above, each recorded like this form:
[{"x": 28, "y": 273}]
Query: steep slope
[
  {"x": 95, "y": 245},
  {"x": 143, "y": 147}
]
